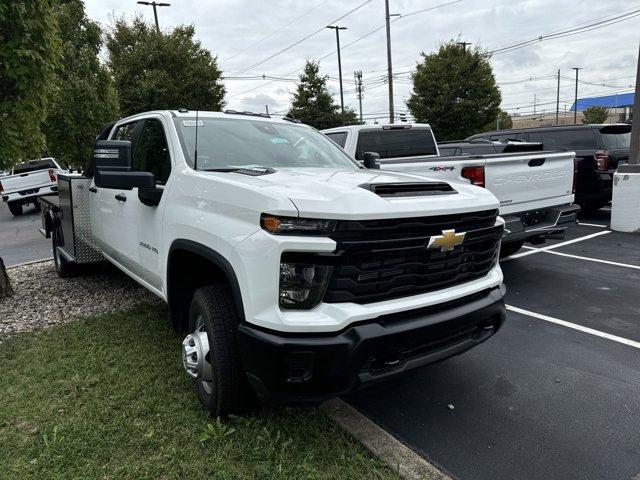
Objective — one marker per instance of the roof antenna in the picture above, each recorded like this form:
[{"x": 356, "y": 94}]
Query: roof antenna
[{"x": 195, "y": 153}]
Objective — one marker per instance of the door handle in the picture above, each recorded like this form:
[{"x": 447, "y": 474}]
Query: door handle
[
  {"x": 93, "y": 189},
  {"x": 120, "y": 197},
  {"x": 536, "y": 162}
]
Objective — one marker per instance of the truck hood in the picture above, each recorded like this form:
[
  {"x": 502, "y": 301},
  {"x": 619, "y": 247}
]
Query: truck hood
[{"x": 325, "y": 193}]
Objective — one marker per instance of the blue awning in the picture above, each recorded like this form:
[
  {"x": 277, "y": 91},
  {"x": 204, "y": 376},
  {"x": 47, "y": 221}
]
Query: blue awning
[{"x": 618, "y": 100}]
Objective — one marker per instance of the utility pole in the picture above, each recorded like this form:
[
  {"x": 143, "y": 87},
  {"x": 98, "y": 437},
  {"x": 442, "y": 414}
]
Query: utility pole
[
  {"x": 358, "y": 76},
  {"x": 575, "y": 103},
  {"x": 464, "y": 46},
  {"x": 266, "y": 107},
  {"x": 634, "y": 148},
  {"x": 534, "y": 103},
  {"x": 389, "y": 68},
  {"x": 155, "y": 11},
  {"x": 337, "y": 29},
  {"x": 558, "y": 98}
]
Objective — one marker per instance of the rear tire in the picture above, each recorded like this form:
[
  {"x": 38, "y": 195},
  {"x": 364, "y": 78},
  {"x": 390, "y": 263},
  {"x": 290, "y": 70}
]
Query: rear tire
[
  {"x": 15, "y": 208},
  {"x": 64, "y": 268},
  {"x": 509, "y": 248},
  {"x": 227, "y": 390}
]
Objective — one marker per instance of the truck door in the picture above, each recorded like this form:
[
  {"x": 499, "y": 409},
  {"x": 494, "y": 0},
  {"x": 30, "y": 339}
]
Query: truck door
[
  {"x": 109, "y": 225},
  {"x": 142, "y": 246}
]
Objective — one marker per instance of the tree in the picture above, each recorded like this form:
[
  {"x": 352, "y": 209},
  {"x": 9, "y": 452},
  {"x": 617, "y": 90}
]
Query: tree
[
  {"x": 313, "y": 104},
  {"x": 29, "y": 50},
  {"x": 502, "y": 122},
  {"x": 162, "y": 70},
  {"x": 455, "y": 91},
  {"x": 83, "y": 97},
  {"x": 595, "y": 115}
]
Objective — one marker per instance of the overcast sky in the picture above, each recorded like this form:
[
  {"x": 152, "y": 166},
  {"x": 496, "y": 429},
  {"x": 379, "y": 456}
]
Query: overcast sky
[{"x": 243, "y": 33}]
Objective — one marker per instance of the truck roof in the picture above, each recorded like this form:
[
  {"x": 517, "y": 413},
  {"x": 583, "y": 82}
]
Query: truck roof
[
  {"x": 183, "y": 112},
  {"x": 387, "y": 126}
]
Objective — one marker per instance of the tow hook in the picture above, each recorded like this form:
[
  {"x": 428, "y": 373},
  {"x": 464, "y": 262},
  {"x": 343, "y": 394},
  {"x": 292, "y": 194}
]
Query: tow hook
[{"x": 195, "y": 347}]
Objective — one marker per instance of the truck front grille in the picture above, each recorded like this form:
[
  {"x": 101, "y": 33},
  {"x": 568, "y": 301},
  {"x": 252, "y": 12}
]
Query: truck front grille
[{"x": 385, "y": 259}]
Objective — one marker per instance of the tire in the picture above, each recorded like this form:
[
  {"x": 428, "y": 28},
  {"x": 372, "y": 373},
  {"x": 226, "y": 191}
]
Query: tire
[
  {"x": 509, "y": 248},
  {"x": 64, "y": 268},
  {"x": 213, "y": 311},
  {"x": 15, "y": 208}
]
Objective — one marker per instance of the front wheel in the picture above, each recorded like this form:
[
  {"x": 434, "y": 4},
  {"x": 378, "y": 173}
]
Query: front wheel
[
  {"x": 15, "y": 208},
  {"x": 210, "y": 354},
  {"x": 509, "y": 248}
]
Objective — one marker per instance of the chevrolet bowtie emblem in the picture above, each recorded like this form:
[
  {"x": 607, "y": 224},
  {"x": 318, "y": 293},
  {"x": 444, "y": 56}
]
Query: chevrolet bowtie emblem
[{"x": 447, "y": 241}]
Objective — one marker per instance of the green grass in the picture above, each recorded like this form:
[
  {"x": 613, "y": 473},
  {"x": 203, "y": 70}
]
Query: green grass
[{"x": 106, "y": 397}]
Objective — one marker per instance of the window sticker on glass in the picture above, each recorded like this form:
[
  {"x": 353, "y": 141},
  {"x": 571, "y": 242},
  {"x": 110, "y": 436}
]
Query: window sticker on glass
[
  {"x": 192, "y": 123},
  {"x": 277, "y": 140}
]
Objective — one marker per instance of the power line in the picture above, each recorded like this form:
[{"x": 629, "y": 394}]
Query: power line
[
  {"x": 289, "y": 47},
  {"x": 568, "y": 32},
  {"x": 277, "y": 31}
]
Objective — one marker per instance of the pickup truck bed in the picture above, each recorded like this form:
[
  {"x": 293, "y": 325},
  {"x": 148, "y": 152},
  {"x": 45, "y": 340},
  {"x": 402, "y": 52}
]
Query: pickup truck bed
[{"x": 29, "y": 181}]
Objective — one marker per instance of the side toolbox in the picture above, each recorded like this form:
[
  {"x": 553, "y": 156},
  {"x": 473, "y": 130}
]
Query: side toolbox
[{"x": 70, "y": 218}]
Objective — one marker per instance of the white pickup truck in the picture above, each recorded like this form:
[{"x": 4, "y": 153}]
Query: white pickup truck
[
  {"x": 297, "y": 273},
  {"x": 28, "y": 181},
  {"x": 535, "y": 189}
]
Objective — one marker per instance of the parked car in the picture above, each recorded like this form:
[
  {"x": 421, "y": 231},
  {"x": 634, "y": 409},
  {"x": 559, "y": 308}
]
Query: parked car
[
  {"x": 599, "y": 149},
  {"x": 486, "y": 147},
  {"x": 28, "y": 181},
  {"x": 535, "y": 188},
  {"x": 297, "y": 273}
]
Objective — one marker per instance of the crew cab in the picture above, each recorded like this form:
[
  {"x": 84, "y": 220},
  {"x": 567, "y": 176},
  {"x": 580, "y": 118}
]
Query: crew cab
[
  {"x": 535, "y": 188},
  {"x": 28, "y": 181},
  {"x": 599, "y": 149},
  {"x": 296, "y": 273}
]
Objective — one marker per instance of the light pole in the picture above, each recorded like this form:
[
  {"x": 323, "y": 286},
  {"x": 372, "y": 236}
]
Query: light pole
[
  {"x": 155, "y": 11},
  {"x": 337, "y": 29},
  {"x": 575, "y": 103},
  {"x": 387, "y": 18},
  {"x": 558, "y": 98}
]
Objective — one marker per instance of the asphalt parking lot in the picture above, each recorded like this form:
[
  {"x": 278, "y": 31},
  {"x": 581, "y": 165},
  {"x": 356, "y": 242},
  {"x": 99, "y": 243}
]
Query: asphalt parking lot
[
  {"x": 556, "y": 393},
  {"x": 20, "y": 240}
]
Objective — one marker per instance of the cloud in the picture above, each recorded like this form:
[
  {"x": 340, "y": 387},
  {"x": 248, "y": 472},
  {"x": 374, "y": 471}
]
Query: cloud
[{"x": 244, "y": 32}]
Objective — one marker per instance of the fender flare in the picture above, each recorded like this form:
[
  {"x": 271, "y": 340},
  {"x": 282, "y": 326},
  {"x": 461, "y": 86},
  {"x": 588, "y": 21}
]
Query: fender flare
[{"x": 215, "y": 258}]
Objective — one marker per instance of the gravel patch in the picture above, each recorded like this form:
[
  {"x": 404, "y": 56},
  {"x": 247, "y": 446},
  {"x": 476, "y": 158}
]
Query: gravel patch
[{"x": 42, "y": 299}]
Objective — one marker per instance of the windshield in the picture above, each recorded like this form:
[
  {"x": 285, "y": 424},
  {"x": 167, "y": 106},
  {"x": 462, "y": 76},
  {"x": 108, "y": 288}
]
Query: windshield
[
  {"x": 34, "y": 165},
  {"x": 225, "y": 143},
  {"x": 615, "y": 141}
]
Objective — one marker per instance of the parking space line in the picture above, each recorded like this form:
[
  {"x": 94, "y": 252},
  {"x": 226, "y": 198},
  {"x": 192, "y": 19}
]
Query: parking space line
[
  {"x": 591, "y": 331},
  {"x": 556, "y": 245},
  {"x": 608, "y": 262},
  {"x": 593, "y": 225}
]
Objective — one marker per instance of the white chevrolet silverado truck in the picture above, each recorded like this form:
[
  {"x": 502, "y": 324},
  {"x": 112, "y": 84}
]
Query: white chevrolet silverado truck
[
  {"x": 297, "y": 273},
  {"x": 28, "y": 181},
  {"x": 535, "y": 189}
]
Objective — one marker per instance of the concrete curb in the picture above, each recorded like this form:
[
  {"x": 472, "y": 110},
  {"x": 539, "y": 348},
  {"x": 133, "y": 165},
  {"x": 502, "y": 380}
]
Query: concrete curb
[
  {"x": 404, "y": 461},
  {"x": 30, "y": 262}
]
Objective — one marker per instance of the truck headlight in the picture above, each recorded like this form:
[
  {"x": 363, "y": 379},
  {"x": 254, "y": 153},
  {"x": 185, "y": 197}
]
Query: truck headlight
[
  {"x": 302, "y": 285},
  {"x": 296, "y": 226}
]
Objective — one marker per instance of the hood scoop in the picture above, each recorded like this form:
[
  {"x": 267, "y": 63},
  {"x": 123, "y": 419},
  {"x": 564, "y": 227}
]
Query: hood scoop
[{"x": 410, "y": 189}]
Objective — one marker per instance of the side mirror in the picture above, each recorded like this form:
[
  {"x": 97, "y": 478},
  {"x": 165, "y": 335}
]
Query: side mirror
[
  {"x": 112, "y": 155},
  {"x": 371, "y": 160},
  {"x": 124, "y": 180}
]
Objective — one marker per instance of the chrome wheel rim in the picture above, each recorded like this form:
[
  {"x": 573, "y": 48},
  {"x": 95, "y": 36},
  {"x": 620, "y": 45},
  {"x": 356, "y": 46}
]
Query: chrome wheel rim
[{"x": 196, "y": 355}]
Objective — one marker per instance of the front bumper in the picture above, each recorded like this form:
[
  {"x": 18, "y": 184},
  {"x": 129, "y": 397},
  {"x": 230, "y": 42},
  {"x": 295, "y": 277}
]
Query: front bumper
[
  {"x": 536, "y": 225},
  {"x": 309, "y": 368}
]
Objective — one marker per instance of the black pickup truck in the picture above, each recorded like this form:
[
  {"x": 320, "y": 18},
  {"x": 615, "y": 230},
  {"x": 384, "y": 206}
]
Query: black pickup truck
[{"x": 599, "y": 149}]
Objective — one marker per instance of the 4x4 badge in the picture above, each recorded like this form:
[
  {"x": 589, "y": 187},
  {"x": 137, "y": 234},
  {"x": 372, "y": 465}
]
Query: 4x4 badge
[{"x": 447, "y": 241}]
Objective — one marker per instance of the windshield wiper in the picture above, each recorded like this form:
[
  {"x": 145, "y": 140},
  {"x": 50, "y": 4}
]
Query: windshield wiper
[{"x": 253, "y": 170}]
